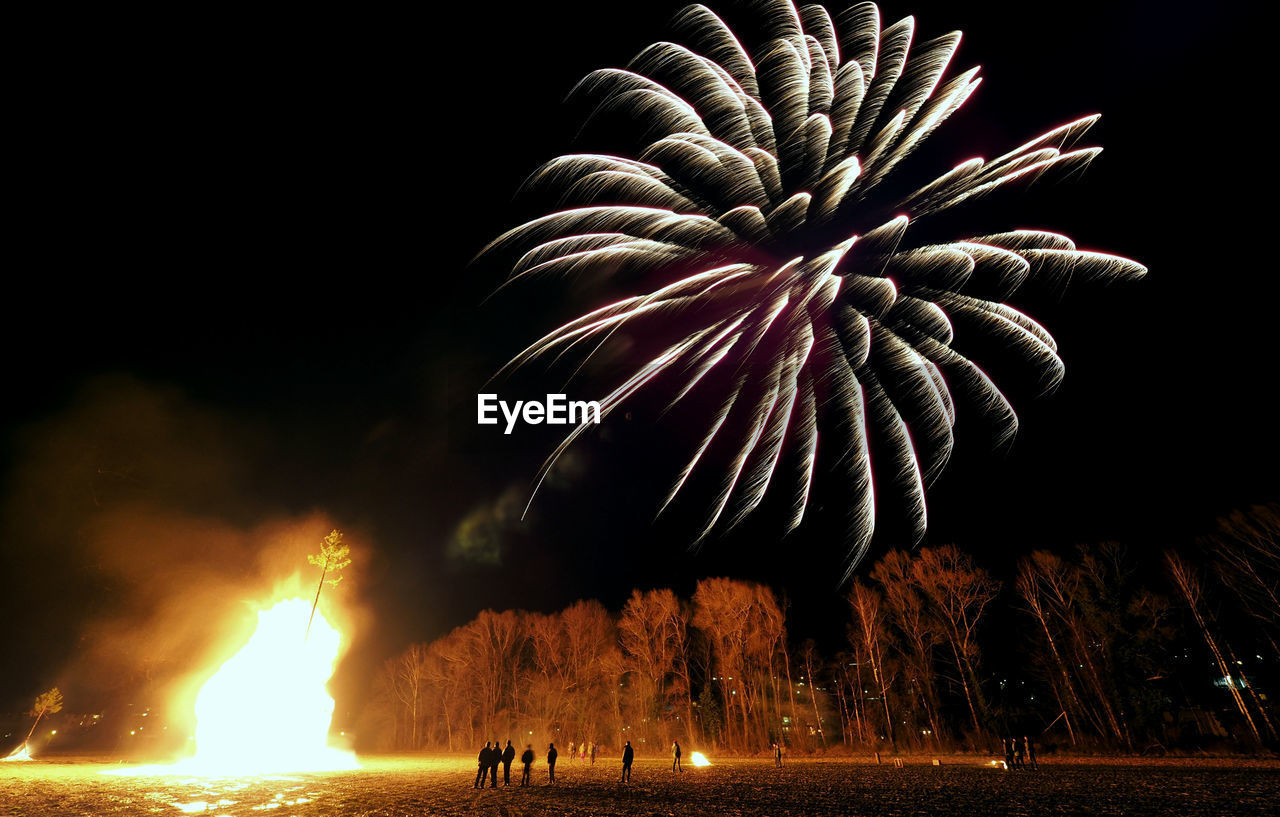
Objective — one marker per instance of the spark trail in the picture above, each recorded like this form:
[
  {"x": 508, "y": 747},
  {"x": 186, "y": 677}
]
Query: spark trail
[{"x": 766, "y": 242}]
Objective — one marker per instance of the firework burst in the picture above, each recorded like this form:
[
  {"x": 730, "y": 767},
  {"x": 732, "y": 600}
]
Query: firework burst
[{"x": 767, "y": 246}]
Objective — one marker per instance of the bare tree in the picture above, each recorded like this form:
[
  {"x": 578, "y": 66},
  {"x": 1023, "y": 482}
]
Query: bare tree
[
  {"x": 1059, "y": 586},
  {"x": 812, "y": 666},
  {"x": 721, "y": 608},
  {"x": 959, "y": 593},
  {"x": 1247, "y": 549},
  {"x": 866, "y": 636},
  {"x": 408, "y": 684},
  {"x": 653, "y": 635},
  {"x": 1028, "y": 585},
  {"x": 1188, "y": 582},
  {"x": 592, "y": 668},
  {"x": 917, "y": 633}
]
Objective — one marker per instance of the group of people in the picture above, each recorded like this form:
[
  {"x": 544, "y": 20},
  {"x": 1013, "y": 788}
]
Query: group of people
[
  {"x": 494, "y": 755},
  {"x": 1019, "y": 752}
]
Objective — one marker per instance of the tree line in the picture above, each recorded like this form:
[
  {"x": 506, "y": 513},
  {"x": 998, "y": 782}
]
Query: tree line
[{"x": 1092, "y": 649}]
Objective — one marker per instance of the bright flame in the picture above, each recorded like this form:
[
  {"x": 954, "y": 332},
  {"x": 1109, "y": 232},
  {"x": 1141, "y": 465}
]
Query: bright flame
[
  {"x": 23, "y": 752},
  {"x": 266, "y": 709},
  {"x": 699, "y": 759}
]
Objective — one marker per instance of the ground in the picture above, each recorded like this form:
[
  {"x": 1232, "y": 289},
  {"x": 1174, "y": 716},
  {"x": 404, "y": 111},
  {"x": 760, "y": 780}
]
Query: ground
[{"x": 442, "y": 787}]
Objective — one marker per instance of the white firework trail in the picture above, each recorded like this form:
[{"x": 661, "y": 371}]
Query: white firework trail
[{"x": 731, "y": 221}]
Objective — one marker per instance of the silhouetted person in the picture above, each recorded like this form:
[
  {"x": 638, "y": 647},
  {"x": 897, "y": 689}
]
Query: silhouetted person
[
  {"x": 1008, "y": 753},
  {"x": 1031, "y": 752},
  {"x": 593, "y": 753},
  {"x": 495, "y": 757},
  {"x": 527, "y": 760},
  {"x": 573, "y": 751},
  {"x": 675, "y": 756},
  {"x": 508, "y": 757},
  {"x": 551, "y": 761},
  {"x": 777, "y": 756},
  {"x": 628, "y": 757},
  {"x": 1020, "y": 752},
  {"x": 483, "y": 762}
]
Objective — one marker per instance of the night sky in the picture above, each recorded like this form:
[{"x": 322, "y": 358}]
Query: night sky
[{"x": 239, "y": 292}]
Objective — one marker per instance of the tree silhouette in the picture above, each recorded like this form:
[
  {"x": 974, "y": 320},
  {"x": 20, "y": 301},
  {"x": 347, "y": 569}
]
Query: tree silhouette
[{"x": 46, "y": 703}]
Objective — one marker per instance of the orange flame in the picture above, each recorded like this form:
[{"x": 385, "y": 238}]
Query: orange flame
[{"x": 266, "y": 708}]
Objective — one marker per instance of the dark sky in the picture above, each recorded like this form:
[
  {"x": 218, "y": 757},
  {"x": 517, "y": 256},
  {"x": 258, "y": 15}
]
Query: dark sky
[{"x": 238, "y": 290}]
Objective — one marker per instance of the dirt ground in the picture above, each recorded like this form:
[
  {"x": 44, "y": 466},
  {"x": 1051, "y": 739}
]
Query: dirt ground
[{"x": 442, "y": 787}]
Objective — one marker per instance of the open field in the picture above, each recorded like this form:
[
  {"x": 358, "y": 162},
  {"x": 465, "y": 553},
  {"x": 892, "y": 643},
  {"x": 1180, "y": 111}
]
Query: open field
[{"x": 442, "y": 786}]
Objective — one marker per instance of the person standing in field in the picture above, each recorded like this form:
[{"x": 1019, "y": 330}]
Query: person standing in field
[
  {"x": 675, "y": 756},
  {"x": 551, "y": 762},
  {"x": 1008, "y": 753},
  {"x": 483, "y": 762},
  {"x": 508, "y": 757},
  {"x": 495, "y": 757},
  {"x": 628, "y": 757},
  {"x": 527, "y": 760},
  {"x": 572, "y": 751},
  {"x": 1031, "y": 753},
  {"x": 593, "y": 753},
  {"x": 777, "y": 755},
  {"x": 1020, "y": 752}
]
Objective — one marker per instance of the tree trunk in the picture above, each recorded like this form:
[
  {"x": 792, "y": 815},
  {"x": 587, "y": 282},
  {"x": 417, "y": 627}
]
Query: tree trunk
[
  {"x": 791, "y": 688},
  {"x": 1253, "y": 694},
  {"x": 813, "y": 697},
  {"x": 1189, "y": 587},
  {"x": 964, "y": 682},
  {"x": 1095, "y": 680},
  {"x": 319, "y": 586},
  {"x": 1062, "y": 667},
  {"x": 32, "y": 730}
]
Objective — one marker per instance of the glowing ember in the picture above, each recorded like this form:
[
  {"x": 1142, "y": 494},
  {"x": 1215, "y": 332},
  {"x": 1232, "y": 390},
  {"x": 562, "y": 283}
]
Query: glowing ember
[{"x": 699, "y": 759}]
